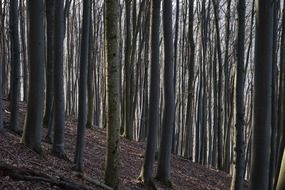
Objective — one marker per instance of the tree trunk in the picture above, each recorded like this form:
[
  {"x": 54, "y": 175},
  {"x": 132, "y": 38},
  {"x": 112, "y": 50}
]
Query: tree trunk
[
  {"x": 153, "y": 114},
  {"x": 163, "y": 171},
  {"x": 112, "y": 92},
  {"x": 82, "y": 114},
  {"x": 15, "y": 67},
  {"x": 262, "y": 98},
  {"x": 58, "y": 140},
  {"x": 50, "y": 59},
  {"x": 240, "y": 139},
  {"x": 33, "y": 126}
]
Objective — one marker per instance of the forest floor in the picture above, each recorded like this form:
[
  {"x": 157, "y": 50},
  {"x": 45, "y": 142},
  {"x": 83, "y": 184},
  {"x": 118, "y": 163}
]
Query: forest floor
[{"x": 185, "y": 174}]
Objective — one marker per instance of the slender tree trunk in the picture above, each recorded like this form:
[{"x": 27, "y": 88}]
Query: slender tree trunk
[
  {"x": 240, "y": 139},
  {"x": 58, "y": 139},
  {"x": 90, "y": 83},
  {"x": 163, "y": 171},
  {"x": 153, "y": 114},
  {"x": 189, "y": 116},
  {"x": 15, "y": 67},
  {"x": 82, "y": 114},
  {"x": 50, "y": 11},
  {"x": 1, "y": 70}
]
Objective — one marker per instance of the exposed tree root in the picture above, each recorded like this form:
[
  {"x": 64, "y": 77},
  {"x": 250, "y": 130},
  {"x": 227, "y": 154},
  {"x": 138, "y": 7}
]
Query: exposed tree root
[
  {"x": 17, "y": 173},
  {"x": 149, "y": 185}
]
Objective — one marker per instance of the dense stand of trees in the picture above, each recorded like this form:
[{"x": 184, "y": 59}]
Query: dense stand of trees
[{"x": 200, "y": 79}]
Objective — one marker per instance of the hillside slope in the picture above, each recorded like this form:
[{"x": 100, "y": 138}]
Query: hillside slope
[{"x": 185, "y": 174}]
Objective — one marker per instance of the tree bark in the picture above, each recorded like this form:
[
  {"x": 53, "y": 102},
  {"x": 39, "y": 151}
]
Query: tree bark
[
  {"x": 15, "y": 67},
  {"x": 262, "y": 97},
  {"x": 153, "y": 114},
  {"x": 58, "y": 139},
  {"x": 112, "y": 92},
  {"x": 82, "y": 112},
  {"x": 33, "y": 126},
  {"x": 163, "y": 171}
]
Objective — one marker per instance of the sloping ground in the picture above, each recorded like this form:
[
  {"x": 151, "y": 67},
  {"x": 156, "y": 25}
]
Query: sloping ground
[{"x": 185, "y": 174}]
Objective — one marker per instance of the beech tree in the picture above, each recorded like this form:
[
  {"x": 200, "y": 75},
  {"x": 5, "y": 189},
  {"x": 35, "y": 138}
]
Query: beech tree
[
  {"x": 59, "y": 115},
  {"x": 15, "y": 66},
  {"x": 262, "y": 96},
  {"x": 163, "y": 171},
  {"x": 33, "y": 126},
  {"x": 153, "y": 122},
  {"x": 113, "y": 92},
  {"x": 50, "y": 11},
  {"x": 240, "y": 154},
  {"x": 1, "y": 91},
  {"x": 82, "y": 112}
]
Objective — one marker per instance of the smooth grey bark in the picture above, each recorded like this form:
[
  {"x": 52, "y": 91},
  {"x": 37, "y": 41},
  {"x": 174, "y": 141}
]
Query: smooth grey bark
[
  {"x": 219, "y": 95},
  {"x": 189, "y": 114},
  {"x": 58, "y": 139},
  {"x": 82, "y": 106},
  {"x": 128, "y": 128},
  {"x": 259, "y": 173},
  {"x": 240, "y": 123},
  {"x": 23, "y": 23},
  {"x": 49, "y": 59},
  {"x": 274, "y": 106},
  {"x": 33, "y": 126},
  {"x": 91, "y": 83},
  {"x": 227, "y": 124},
  {"x": 163, "y": 171},
  {"x": 15, "y": 67},
  {"x": 154, "y": 94},
  {"x": 113, "y": 114}
]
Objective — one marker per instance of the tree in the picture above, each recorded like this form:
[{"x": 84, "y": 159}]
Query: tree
[
  {"x": 240, "y": 139},
  {"x": 113, "y": 92},
  {"x": 78, "y": 160},
  {"x": 1, "y": 76},
  {"x": 128, "y": 127},
  {"x": 1, "y": 91},
  {"x": 153, "y": 114},
  {"x": 189, "y": 117},
  {"x": 59, "y": 116},
  {"x": 50, "y": 60},
  {"x": 15, "y": 66},
  {"x": 163, "y": 171},
  {"x": 262, "y": 96},
  {"x": 33, "y": 126}
]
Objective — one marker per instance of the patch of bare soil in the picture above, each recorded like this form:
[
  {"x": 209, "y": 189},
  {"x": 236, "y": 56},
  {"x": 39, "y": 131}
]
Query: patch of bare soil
[{"x": 185, "y": 174}]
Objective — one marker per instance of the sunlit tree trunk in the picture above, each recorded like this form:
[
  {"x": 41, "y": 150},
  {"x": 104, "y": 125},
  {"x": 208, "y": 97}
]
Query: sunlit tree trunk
[
  {"x": 240, "y": 139},
  {"x": 113, "y": 92}
]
